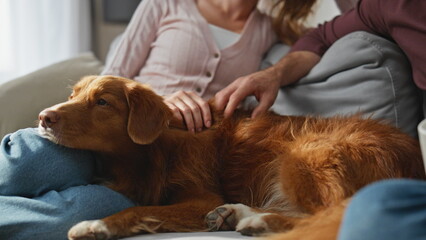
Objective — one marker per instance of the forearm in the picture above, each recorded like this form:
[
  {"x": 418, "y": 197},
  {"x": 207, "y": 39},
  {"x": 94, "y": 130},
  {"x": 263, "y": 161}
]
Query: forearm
[{"x": 294, "y": 66}]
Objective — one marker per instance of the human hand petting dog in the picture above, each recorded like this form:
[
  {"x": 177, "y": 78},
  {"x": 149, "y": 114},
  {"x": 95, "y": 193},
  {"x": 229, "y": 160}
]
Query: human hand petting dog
[
  {"x": 264, "y": 85},
  {"x": 195, "y": 113},
  {"x": 190, "y": 109}
]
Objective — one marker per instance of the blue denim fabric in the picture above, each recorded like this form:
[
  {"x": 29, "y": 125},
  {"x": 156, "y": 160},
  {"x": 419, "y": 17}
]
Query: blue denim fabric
[
  {"x": 45, "y": 188},
  {"x": 390, "y": 209}
]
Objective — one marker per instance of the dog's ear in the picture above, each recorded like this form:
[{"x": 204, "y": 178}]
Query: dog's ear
[{"x": 148, "y": 114}]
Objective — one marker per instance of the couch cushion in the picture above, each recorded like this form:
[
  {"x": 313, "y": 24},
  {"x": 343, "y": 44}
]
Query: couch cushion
[{"x": 23, "y": 98}]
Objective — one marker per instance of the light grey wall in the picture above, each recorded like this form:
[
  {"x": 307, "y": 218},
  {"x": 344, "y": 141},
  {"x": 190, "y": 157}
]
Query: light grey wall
[{"x": 323, "y": 11}]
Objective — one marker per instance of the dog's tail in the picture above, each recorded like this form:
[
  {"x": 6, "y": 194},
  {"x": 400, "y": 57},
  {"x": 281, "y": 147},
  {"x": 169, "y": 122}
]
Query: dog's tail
[{"x": 323, "y": 225}]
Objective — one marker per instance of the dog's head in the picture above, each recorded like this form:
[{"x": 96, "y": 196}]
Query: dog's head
[{"x": 104, "y": 113}]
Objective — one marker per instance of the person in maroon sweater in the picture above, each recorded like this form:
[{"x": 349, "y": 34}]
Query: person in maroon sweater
[{"x": 401, "y": 21}]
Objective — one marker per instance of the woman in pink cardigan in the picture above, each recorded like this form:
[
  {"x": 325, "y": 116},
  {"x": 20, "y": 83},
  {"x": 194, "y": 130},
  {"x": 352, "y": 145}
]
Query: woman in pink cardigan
[{"x": 188, "y": 50}]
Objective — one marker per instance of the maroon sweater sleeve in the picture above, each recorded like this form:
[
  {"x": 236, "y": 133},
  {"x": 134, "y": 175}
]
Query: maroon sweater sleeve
[
  {"x": 401, "y": 21},
  {"x": 321, "y": 38}
]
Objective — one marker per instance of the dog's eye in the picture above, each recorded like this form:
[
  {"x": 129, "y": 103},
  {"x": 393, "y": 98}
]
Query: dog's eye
[{"x": 102, "y": 102}]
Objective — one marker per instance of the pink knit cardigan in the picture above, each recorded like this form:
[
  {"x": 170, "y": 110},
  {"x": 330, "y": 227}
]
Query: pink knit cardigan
[{"x": 169, "y": 46}]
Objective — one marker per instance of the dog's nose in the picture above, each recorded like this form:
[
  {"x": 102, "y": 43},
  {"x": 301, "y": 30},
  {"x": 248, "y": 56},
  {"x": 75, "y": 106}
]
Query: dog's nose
[{"x": 48, "y": 118}]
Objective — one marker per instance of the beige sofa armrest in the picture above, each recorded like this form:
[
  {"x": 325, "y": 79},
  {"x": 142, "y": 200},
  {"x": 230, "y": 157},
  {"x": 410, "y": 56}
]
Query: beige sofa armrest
[{"x": 23, "y": 98}]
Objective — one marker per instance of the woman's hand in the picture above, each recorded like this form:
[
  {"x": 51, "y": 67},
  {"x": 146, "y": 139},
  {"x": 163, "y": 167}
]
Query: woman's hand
[
  {"x": 191, "y": 109},
  {"x": 264, "y": 85}
]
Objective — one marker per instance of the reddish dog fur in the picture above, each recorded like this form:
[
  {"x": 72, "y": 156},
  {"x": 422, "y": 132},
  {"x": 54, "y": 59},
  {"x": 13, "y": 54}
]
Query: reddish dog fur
[{"x": 288, "y": 171}]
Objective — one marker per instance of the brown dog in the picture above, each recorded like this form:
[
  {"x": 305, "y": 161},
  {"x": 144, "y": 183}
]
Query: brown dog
[{"x": 276, "y": 172}]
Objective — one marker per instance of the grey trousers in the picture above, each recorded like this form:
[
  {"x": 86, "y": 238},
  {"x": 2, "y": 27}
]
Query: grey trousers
[{"x": 360, "y": 73}]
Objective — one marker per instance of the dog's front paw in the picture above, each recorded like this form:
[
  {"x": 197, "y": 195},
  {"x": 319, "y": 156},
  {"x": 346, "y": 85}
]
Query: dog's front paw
[
  {"x": 254, "y": 225},
  {"x": 89, "y": 230},
  {"x": 264, "y": 223},
  {"x": 226, "y": 217}
]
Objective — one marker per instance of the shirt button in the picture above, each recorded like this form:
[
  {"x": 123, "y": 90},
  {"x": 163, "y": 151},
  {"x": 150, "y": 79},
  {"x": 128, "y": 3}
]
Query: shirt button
[
  {"x": 198, "y": 89},
  {"x": 216, "y": 55},
  {"x": 208, "y": 74}
]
